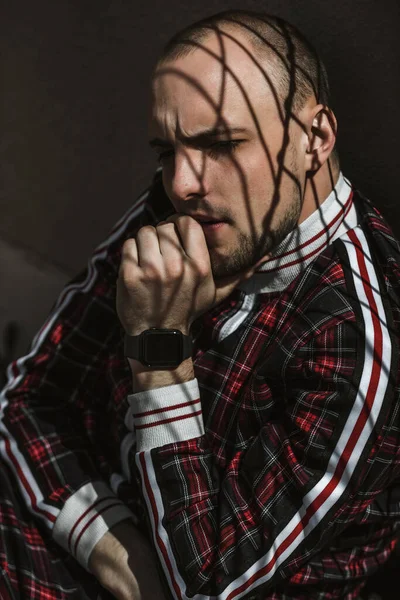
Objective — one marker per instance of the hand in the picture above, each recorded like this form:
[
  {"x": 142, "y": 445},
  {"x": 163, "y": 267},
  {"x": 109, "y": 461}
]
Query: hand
[
  {"x": 125, "y": 565},
  {"x": 165, "y": 277}
]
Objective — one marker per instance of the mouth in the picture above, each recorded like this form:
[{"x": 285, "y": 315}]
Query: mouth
[
  {"x": 205, "y": 220},
  {"x": 209, "y": 224},
  {"x": 212, "y": 227}
]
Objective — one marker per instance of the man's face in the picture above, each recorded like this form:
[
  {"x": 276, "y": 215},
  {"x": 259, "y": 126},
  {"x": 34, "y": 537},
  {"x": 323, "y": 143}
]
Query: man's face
[{"x": 226, "y": 153}]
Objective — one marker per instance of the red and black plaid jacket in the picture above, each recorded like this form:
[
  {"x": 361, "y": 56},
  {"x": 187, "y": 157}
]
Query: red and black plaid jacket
[{"x": 272, "y": 473}]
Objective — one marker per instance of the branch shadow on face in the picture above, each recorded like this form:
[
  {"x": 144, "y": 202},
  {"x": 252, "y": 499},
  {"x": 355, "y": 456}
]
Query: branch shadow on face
[{"x": 279, "y": 166}]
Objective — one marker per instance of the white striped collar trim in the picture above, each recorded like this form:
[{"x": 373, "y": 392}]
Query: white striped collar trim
[{"x": 335, "y": 216}]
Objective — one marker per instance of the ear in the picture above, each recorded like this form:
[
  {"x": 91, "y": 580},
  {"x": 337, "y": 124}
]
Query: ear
[{"x": 321, "y": 137}]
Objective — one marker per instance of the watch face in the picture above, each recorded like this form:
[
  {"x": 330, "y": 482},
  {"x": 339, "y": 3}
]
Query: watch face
[{"x": 162, "y": 348}]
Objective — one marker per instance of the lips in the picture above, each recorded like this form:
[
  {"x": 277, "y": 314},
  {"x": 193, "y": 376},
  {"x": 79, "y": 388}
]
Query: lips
[
  {"x": 205, "y": 219},
  {"x": 213, "y": 229}
]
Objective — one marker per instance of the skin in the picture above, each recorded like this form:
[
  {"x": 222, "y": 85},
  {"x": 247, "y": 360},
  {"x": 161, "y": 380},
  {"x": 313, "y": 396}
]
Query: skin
[
  {"x": 232, "y": 176},
  {"x": 172, "y": 273}
]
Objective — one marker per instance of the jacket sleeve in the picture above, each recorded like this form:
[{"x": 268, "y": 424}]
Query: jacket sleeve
[
  {"x": 52, "y": 409},
  {"x": 234, "y": 530}
]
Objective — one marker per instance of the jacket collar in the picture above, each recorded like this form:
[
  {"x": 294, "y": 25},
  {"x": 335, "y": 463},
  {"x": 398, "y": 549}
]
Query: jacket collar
[{"x": 336, "y": 215}]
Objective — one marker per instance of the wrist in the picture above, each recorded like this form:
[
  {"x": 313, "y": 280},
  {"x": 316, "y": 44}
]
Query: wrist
[
  {"x": 109, "y": 548},
  {"x": 124, "y": 564},
  {"x": 146, "y": 378}
]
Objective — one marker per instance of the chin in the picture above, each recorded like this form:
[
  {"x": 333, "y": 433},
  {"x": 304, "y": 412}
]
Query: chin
[{"x": 228, "y": 269}]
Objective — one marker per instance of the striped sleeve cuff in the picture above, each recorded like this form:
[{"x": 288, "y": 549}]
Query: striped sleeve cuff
[
  {"x": 86, "y": 516},
  {"x": 165, "y": 415}
]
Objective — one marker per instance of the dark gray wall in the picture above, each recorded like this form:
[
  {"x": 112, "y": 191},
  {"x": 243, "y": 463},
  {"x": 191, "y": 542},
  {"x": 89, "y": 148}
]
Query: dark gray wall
[{"x": 74, "y": 79}]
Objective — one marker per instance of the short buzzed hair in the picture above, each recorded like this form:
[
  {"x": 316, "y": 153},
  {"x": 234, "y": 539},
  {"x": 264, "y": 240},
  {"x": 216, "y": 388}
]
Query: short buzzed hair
[{"x": 295, "y": 67}]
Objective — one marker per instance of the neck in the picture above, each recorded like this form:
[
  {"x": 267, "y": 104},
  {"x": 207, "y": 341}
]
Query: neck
[{"x": 317, "y": 188}]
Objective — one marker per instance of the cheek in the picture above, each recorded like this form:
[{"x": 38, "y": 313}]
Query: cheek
[
  {"x": 263, "y": 197},
  {"x": 258, "y": 182},
  {"x": 249, "y": 172}
]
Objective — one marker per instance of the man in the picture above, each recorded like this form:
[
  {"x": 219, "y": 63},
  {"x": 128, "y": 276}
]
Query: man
[{"x": 235, "y": 428}]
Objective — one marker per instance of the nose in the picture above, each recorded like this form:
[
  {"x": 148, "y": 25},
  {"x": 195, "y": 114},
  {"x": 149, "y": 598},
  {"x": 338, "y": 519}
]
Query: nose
[{"x": 188, "y": 174}]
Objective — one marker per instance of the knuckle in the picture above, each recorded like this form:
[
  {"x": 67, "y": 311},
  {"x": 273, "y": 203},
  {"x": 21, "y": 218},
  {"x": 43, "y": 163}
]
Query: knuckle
[
  {"x": 145, "y": 230},
  {"x": 166, "y": 229},
  {"x": 128, "y": 246},
  {"x": 125, "y": 273},
  {"x": 175, "y": 270},
  {"x": 166, "y": 224},
  {"x": 151, "y": 273},
  {"x": 201, "y": 269},
  {"x": 188, "y": 221}
]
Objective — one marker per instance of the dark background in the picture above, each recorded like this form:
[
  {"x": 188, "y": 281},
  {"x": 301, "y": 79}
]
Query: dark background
[
  {"x": 73, "y": 146},
  {"x": 74, "y": 80}
]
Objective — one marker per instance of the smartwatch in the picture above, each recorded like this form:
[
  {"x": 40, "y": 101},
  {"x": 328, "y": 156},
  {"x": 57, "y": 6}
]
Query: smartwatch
[{"x": 159, "y": 348}]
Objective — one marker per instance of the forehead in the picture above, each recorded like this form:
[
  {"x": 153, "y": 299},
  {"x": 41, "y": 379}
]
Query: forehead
[{"x": 223, "y": 79}]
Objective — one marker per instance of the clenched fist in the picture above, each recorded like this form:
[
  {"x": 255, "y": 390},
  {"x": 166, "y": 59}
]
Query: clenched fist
[{"x": 165, "y": 278}]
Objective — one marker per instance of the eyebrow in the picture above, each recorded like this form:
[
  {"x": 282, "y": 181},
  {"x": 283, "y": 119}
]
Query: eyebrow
[{"x": 199, "y": 137}]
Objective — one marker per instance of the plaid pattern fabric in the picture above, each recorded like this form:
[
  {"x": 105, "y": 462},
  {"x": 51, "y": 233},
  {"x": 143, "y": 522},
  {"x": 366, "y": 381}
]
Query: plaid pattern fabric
[{"x": 271, "y": 475}]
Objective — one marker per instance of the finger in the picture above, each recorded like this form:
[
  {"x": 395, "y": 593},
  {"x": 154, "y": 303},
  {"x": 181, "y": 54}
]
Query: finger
[
  {"x": 148, "y": 247},
  {"x": 167, "y": 219},
  {"x": 193, "y": 240},
  {"x": 172, "y": 220},
  {"x": 170, "y": 241},
  {"x": 129, "y": 259},
  {"x": 129, "y": 250}
]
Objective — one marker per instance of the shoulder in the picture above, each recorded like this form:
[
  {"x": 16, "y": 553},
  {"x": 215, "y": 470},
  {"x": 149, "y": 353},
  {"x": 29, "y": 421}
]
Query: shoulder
[
  {"x": 357, "y": 268},
  {"x": 346, "y": 283}
]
